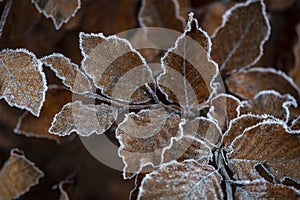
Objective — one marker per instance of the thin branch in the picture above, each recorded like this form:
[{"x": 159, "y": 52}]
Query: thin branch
[{"x": 4, "y": 15}]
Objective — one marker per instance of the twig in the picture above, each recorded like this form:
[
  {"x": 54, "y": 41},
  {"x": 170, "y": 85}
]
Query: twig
[{"x": 4, "y": 15}]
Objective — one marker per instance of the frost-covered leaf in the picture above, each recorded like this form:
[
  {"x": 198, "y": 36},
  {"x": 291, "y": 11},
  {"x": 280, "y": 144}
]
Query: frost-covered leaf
[
  {"x": 200, "y": 136},
  {"x": 144, "y": 136},
  {"x": 60, "y": 11},
  {"x": 157, "y": 13},
  {"x": 270, "y": 102},
  {"x": 17, "y": 176},
  {"x": 22, "y": 81},
  {"x": 247, "y": 84},
  {"x": 239, "y": 41},
  {"x": 296, "y": 124},
  {"x": 68, "y": 72},
  {"x": 224, "y": 108},
  {"x": 295, "y": 73},
  {"x": 67, "y": 190},
  {"x": 56, "y": 98},
  {"x": 264, "y": 190},
  {"x": 273, "y": 145},
  {"x": 187, "y": 180},
  {"x": 83, "y": 119},
  {"x": 115, "y": 67},
  {"x": 187, "y": 76},
  {"x": 238, "y": 125}
]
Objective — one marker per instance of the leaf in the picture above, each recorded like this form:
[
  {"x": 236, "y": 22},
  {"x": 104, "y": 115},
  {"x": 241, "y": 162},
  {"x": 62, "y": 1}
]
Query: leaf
[
  {"x": 238, "y": 42},
  {"x": 115, "y": 67},
  {"x": 187, "y": 77},
  {"x": 67, "y": 190},
  {"x": 83, "y": 119},
  {"x": 60, "y": 11},
  {"x": 165, "y": 14},
  {"x": 272, "y": 144},
  {"x": 22, "y": 81},
  {"x": 270, "y": 102},
  {"x": 295, "y": 72},
  {"x": 296, "y": 124},
  {"x": 56, "y": 98},
  {"x": 17, "y": 176},
  {"x": 246, "y": 84},
  {"x": 238, "y": 125},
  {"x": 224, "y": 108},
  {"x": 144, "y": 136},
  {"x": 265, "y": 190},
  {"x": 68, "y": 72},
  {"x": 188, "y": 180},
  {"x": 200, "y": 136}
]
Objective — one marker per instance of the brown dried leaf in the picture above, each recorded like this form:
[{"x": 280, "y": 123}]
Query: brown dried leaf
[
  {"x": 56, "y": 98},
  {"x": 60, "y": 11},
  {"x": 83, "y": 119},
  {"x": 200, "y": 136},
  {"x": 67, "y": 190},
  {"x": 144, "y": 136},
  {"x": 237, "y": 126},
  {"x": 295, "y": 73},
  {"x": 22, "y": 81},
  {"x": 187, "y": 76},
  {"x": 115, "y": 67},
  {"x": 247, "y": 84},
  {"x": 157, "y": 13},
  {"x": 270, "y": 102},
  {"x": 264, "y": 190},
  {"x": 296, "y": 124},
  {"x": 223, "y": 109},
  {"x": 272, "y": 144},
  {"x": 17, "y": 176},
  {"x": 187, "y": 180},
  {"x": 238, "y": 42},
  {"x": 68, "y": 72}
]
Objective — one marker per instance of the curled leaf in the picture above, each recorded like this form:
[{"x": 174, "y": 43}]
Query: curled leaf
[
  {"x": 69, "y": 72},
  {"x": 144, "y": 136},
  {"x": 199, "y": 138},
  {"x": 115, "y": 67},
  {"x": 17, "y": 176},
  {"x": 187, "y": 180},
  {"x": 60, "y": 11},
  {"x": 238, "y": 42},
  {"x": 270, "y": 102},
  {"x": 187, "y": 76},
  {"x": 224, "y": 108},
  {"x": 248, "y": 83},
  {"x": 56, "y": 98},
  {"x": 22, "y": 81},
  {"x": 83, "y": 119}
]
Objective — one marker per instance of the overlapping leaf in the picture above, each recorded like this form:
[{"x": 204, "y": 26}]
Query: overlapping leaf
[
  {"x": 271, "y": 103},
  {"x": 56, "y": 98},
  {"x": 248, "y": 83},
  {"x": 144, "y": 136},
  {"x": 17, "y": 176},
  {"x": 69, "y": 72},
  {"x": 238, "y": 42},
  {"x": 60, "y": 11},
  {"x": 224, "y": 108},
  {"x": 200, "y": 137},
  {"x": 115, "y": 67},
  {"x": 265, "y": 190},
  {"x": 187, "y": 180},
  {"x": 22, "y": 81},
  {"x": 273, "y": 145},
  {"x": 156, "y": 13},
  {"x": 85, "y": 119},
  {"x": 187, "y": 76}
]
